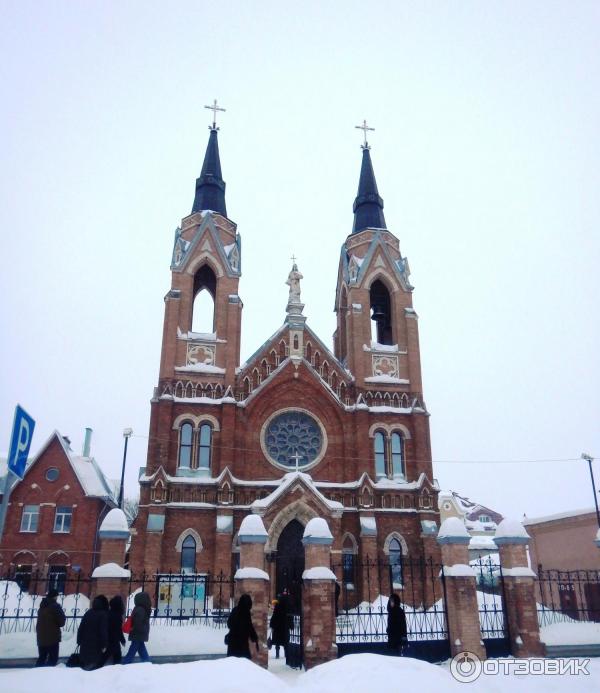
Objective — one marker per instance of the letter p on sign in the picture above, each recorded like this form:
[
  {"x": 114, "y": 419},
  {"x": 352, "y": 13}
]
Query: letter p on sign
[{"x": 20, "y": 441}]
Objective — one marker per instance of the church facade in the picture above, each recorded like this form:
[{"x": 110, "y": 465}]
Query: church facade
[{"x": 299, "y": 430}]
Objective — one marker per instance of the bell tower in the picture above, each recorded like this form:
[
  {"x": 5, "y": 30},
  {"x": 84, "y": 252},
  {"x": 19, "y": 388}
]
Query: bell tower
[
  {"x": 205, "y": 272},
  {"x": 377, "y": 336}
]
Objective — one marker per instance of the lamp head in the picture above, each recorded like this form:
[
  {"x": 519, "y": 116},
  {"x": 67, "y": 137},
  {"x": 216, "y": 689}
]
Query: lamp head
[{"x": 127, "y": 432}]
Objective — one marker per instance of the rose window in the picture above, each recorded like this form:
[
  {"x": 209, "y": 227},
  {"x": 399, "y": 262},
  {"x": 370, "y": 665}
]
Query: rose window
[{"x": 293, "y": 439}]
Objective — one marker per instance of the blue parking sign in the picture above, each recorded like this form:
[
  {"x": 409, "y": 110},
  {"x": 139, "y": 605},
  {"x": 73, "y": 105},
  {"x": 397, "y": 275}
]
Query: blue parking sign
[{"x": 20, "y": 441}]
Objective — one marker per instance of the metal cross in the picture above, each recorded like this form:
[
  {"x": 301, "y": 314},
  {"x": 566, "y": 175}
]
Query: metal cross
[
  {"x": 214, "y": 108},
  {"x": 364, "y": 127},
  {"x": 293, "y": 259},
  {"x": 296, "y": 458}
]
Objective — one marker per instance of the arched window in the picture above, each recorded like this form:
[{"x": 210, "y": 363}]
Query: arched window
[
  {"x": 188, "y": 555},
  {"x": 204, "y": 446},
  {"x": 380, "y": 454},
  {"x": 203, "y": 311},
  {"x": 381, "y": 312},
  {"x": 397, "y": 447},
  {"x": 186, "y": 433},
  {"x": 395, "y": 554}
]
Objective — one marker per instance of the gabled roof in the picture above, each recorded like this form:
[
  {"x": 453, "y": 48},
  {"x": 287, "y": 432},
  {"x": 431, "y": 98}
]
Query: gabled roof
[
  {"x": 91, "y": 478},
  {"x": 286, "y": 484}
]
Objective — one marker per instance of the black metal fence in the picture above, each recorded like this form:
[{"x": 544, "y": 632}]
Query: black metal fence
[
  {"x": 178, "y": 598},
  {"x": 361, "y": 606},
  {"x": 567, "y": 596},
  {"x": 491, "y": 603}
]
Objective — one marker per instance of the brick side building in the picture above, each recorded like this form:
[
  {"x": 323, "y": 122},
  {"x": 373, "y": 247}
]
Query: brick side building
[
  {"x": 53, "y": 517},
  {"x": 298, "y": 430}
]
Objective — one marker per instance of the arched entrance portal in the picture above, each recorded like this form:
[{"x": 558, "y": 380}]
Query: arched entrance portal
[{"x": 290, "y": 561}]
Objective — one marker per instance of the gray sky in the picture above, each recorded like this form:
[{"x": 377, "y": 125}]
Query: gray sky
[{"x": 486, "y": 153}]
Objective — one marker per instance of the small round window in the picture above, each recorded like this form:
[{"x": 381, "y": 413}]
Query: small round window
[{"x": 52, "y": 474}]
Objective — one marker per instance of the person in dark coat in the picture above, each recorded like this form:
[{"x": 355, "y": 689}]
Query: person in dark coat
[
  {"x": 241, "y": 630},
  {"x": 280, "y": 632},
  {"x": 140, "y": 628},
  {"x": 115, "y": 630},
  {"x": 50, "y": 619},
  {"x": 92, "y": 635},
  {"x": 396, "y": 625}
]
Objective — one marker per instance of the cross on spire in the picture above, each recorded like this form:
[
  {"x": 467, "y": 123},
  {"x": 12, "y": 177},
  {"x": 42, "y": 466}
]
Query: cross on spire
[
  {"x": 293, "y": 258},
  {"x": 214, "y": 108},
  {"x": 364, "y": 127}
]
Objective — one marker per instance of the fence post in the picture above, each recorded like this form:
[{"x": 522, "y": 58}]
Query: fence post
[
  {"x": 318, "y": 613},
  {"x": 110, "y": 578},
  {"x": 252, "y": 579},
  {"x": 519, "y": 589},
  {"x": 464, "y": 631}
]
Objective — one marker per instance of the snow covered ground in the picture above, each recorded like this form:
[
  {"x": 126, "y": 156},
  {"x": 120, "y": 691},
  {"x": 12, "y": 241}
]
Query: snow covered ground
[
  {"x": 352, "y": 674},
  {"x": 571, "y": 633}
]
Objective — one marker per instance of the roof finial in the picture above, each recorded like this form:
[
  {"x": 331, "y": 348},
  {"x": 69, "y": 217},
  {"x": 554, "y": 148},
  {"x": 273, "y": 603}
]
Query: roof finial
[
  {"x": 214, "y": 108},
  {"x": 364, "y": 127}
]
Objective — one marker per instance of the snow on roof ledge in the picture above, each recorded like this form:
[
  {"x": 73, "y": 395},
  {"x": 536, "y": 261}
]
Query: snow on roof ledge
[
  {"x": 511, "y": 531},
  {"x": 317, "y": 532},
  {"x": 453, "y": 531},
  {"x": 110, "y": 570},
  {"x": 252, "y": 529},
  {"x": 114, "y": 525}
]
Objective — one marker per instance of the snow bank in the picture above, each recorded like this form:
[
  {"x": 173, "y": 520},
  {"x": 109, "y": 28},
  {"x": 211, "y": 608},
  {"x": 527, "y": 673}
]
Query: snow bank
[
  {"x": 318, "y": 573},
  {"x": 115, "y": 521},
  {"x": 250, "y": 574},
  {"x": 510, "y": 528},
  {"x": 573, "y": 633},
  {"x": 453, "y": 527},
  {"x": 317, "y": 528},
  {"x": 110, "y": 570},
  {"x": 252, "y": 525}
]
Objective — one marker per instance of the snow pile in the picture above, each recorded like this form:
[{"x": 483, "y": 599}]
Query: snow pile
[
  {"x": 110, "y": 570},
  {"x": 459, "y": 570},
  {"x": 253, "y": 526},
  {"x": 573, "y": 633},
  {"x": 318, "y": 573},
  {"x": 317, "y": 528},
  {"x": 453, "y": 527},
  {"x": 251, "y": 574},
  {"x": 510, "y": 528},
  {"x": 115, "y": 521}
]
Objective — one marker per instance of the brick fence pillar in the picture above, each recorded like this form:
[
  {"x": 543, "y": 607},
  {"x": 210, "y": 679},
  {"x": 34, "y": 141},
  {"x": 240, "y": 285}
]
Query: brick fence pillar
[
  {"x": 318, "y": 603},
  {"x": 519, "y": 590},
  {"x": 220, "y": 588},
  {"x": 252, "y": 579},
  {"x": 110, "y": 577},
  {"x": 464, "y": 631}
]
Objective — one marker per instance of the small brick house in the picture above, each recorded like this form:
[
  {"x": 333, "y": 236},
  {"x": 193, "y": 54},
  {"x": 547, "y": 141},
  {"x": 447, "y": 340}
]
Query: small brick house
[
  {"x": 53, "y": 517},
  {"x": 297, "y": 431}
]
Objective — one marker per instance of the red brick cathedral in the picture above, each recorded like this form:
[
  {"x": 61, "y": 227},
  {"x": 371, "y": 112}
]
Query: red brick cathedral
[{"x": 297, "y": 431}]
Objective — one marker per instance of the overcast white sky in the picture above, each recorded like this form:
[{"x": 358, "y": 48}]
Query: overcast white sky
[{"x": 486, "y": 153}]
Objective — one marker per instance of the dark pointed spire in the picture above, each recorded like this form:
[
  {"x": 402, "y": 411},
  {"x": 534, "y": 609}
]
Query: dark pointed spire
[
  {"x": 368, "y": 206},
  {"x": 210, "y": 186}
]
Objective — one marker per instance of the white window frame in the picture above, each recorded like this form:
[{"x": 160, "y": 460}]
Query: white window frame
[
  {"x": 27, "y": 519},
  {"x": 62, "y": 512}
]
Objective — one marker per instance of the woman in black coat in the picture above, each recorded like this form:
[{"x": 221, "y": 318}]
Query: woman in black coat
[
  {"x": 92, "y": 634},
  {"x": 280, "y": 626},
  {"x": 241, "y": 630},
  {"x": 396, "y": 626},
  {"x": 115, "y": 630}
]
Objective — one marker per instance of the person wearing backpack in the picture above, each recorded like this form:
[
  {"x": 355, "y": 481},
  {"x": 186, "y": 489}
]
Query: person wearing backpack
[
  {"x": 50, "y": 619},
  {"x": 140, "y": 628}
]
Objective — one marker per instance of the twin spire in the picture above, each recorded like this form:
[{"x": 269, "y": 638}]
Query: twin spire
[{"x": 210, "y": 186}]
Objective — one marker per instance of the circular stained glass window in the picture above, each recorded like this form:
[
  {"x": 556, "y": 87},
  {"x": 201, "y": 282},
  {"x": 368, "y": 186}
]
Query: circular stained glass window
[
  {"x": 52, "y": 474},
  {"x": 293, "y": 439}
]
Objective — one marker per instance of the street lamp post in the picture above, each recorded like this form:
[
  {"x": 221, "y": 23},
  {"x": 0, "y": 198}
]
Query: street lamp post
[
  {"x": 590, "y": 459},
  {"x": 127, "y": 433}
]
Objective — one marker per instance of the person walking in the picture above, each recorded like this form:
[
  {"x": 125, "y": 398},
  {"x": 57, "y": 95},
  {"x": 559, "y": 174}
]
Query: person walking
[
  {"x": 140, "y": 628},
  {"x": 241, "y": 630},
  {"x": 280, "y": 633},
  {"x": 92, "y": 634},
  {"x": 396, "y": 625},
  {"x": 50, "y": 619},
  {"x": 115, "y": 630}
]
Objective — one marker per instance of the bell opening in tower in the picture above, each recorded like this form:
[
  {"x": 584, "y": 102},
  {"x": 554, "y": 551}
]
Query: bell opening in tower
[
  {"x": 381, "y": 313},
  {"x": 203, "y": 310}
]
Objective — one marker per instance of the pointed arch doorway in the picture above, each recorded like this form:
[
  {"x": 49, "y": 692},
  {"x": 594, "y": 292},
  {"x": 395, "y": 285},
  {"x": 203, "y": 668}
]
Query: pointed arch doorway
[{"x": 290, "y": 561}]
